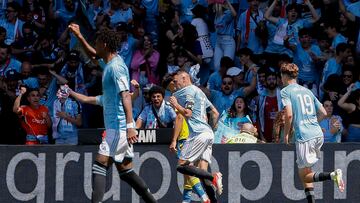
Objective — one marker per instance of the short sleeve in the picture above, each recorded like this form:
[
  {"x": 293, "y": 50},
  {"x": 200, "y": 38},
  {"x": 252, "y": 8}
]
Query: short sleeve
[
  {"x": 99, "y": 100},
  {"x": 101, "y": 63},
  {"x": 121, "y": 81},
  {"x": 144, "y": 114},
  {"x": 285, "y": 100}
]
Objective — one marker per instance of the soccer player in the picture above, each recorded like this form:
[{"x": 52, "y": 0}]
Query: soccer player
[
  {"x": 193, "y": 104},
  {"x": 301, "y": 108},
  {"x": 119, "y": 124},
  {"x": 180, "y": 134}
]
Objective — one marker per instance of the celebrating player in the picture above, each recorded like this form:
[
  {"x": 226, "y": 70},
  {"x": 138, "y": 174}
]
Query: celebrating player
[
  {"x": 192, "y": 103},
  {"x": 301, "y": 108},
  {"x": 119, "y": 124}
]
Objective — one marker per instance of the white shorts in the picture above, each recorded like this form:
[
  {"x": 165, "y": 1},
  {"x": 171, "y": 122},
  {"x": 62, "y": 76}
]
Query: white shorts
[
  {"x": 198, "y": 147},
  {"x": 115, "y": 145},
  {"x": 308, "y": 153}
]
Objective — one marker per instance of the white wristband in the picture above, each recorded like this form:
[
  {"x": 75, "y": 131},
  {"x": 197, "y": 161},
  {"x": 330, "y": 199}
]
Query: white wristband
[{"x": 130, "y": 125}]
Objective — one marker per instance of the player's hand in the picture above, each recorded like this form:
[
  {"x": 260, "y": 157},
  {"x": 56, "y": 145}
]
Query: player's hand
[
  {"x": 132, "y": 135},
  {"x": 75, "y": 29},
  {"x": 173, "y": 101},
  {"x": 172, "y": 147},
  {"x": 135, "y": 83}
]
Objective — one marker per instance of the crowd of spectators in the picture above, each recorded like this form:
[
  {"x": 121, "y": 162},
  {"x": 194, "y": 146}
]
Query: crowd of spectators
[{"x": 231, "y": 48}]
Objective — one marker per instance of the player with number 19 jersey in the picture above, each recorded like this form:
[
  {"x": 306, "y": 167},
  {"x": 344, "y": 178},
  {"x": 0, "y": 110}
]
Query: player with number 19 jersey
[{"x": 305, "y": 119}]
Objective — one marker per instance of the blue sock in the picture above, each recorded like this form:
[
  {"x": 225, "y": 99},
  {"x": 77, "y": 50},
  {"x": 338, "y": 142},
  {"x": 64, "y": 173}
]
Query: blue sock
[
  {"x": 187, "y": 195},
  {"x": 199, "y": 190}
]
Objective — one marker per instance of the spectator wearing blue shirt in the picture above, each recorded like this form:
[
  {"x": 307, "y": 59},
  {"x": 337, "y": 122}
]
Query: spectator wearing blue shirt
[
  {"x": 158, "y": 114},
  {"x": 27, "y": 78},
  {"x": 215, "y": 79},
  {"x": 150, "y": 21},
  {"x": 223, "y": 99},
  {"x": 120, "y": 11},
  {"x": 224, "y": 26},
  {"x": 64, "y": 13},
  {"x": 331, "y": 125},
  {"x": 287, "y": 28},
  {"x": 246, "y": 60},
  {"x": 66, "y": 118},
  {"x": 185, "y": 7},
  {"x": 128, "y": 43},
  {"x": 352, "y": 13},
  {"x": 11, "y": 22},
  {"x": 92, "y": 10},
  {"x": 306, "y": 55},
  {"x": 334, "y": 64},
  {"x": 331, "y": 29},
  {"x": 246, "y": 25},
  {"x": 7, "y": 62}
]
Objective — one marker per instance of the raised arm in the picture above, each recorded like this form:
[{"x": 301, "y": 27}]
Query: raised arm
[
  {"x": 16, "y": 107},
  {"x": 74, "y": 28},
  {"x": 82, "y": 98},
  {"x": 269, "y": 11},
  {"x": 315, "y": 16},
  {"x": 347, "y": 14},
  {"x": 231, "y": 8},
  {"x": 348, "y": 107},
  {"x": 61, "y": 80},
  {"x": 249, "y": 89}
]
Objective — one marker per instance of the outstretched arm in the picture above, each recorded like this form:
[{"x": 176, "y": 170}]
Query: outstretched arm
[
  {"x": 315, "y": 16},
  {"x": 16, "y": 107},
  {"x": 269, "y": 11},
  {"x": 74, "y": 28},
  {"x": 82, "y": 98}
]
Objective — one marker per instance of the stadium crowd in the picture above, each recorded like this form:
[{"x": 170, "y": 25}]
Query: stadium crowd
[{"x": 231, "y": 48}]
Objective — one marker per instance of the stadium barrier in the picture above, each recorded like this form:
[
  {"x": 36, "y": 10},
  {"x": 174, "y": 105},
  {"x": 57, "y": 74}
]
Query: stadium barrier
[{"x": 251, "y": 172}]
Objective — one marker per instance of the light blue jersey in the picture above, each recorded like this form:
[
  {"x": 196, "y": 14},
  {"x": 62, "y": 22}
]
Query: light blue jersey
[
  {"x": 224, "y": 24},
  {"x": 222, "y": 101},
  {"x": 331, "y": 67},
  {"x": 13, "y": 31},
  {"x": 304, "y": 107},
  {"x": 165, "y": 113},
  {"x": 127, "y": 49},
  {"x": 11, "y": 64},
  {"x": 193, "y": 98},
  {"x": 115, "y": 80},
  {"x": 214, "y": 82},
  {"x": 302, "y": 58},
  {"x": 121, "y": 16}
]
